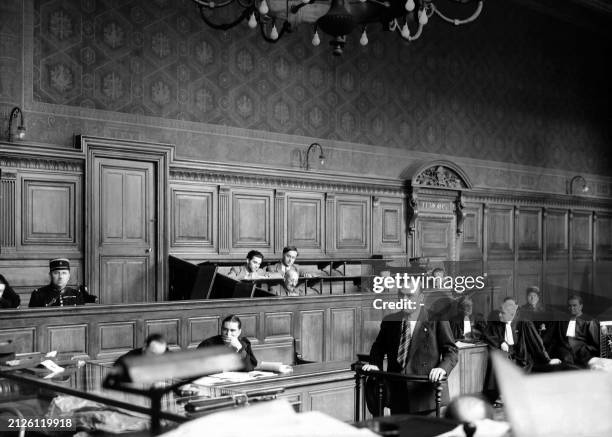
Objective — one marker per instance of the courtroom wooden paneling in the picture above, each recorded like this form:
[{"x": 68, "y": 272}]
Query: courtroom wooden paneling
[
  {"x": 24, "y": 339},
  {"x": 251, "y": 220},
  {"x": 305, "y": 222},
  {"x": 124, "y": 279},
  {"x": 500, "y": 231},
  {"x": 194, "y": 213},
  {"x": 49, "y": 206},
  {"x": 582, "y": 233},
  {"x": 7, "y": 210},
  {"x": 471, "y": 243},
  {"x": 388, "y": 226},
  {"x": 529, "y": 273},
  {"x": 352, "y": 225},
  {"x": 336, "y": 400},
  {"x": 556, "y": 283},
  {"x": 529, "y": 232},
  {"x": 67, "y": 338},
  {"x": 169, "y": 328},
  {"x": 116, "y": 338},
  {"x": 342, "y": 331},
  {"x": 500, "y": 275},
  {"x": 436, "y": 237},
  {"x": 312, "y": 325},
  {"x": 326, "y": 328},
  {"x": 201, "y": 328},
  {"x": 468, "y": 376},
  {"x": 277, "y": 325},
  {"x": 557, "y": 233},
  {"x": 603, "y": 234},
  {"x": 581, "y": 275}
]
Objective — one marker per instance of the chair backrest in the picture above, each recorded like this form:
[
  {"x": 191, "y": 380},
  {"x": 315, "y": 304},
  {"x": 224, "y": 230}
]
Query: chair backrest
[{"x": 282, "y": 351}]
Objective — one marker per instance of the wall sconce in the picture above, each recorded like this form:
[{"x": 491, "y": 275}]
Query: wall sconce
[
  {"x": 21, "y": 130},
  {"x": 577, "y": 185},
  {"x": 321, "y": 155}
]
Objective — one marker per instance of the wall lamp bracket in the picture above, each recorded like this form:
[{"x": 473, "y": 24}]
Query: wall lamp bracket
[
  {"x": 314, "y": 146},
  {"x": 577, "y": 185},
  {"x": 21, "y": 130}
]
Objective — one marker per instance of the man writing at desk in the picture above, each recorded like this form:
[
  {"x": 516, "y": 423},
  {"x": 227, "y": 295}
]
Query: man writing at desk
[{"x": 414, "y": 345}]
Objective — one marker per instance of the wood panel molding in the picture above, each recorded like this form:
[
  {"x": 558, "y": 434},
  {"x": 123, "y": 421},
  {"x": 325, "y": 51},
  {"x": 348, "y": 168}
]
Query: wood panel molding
[
  {"x": 501, "y": 230},
  {"x": 194, "y": 213},
  {"x": 251, "y": 220},
  {"x": 49, "y": 211},
  {"x": 305, "y": 222}
]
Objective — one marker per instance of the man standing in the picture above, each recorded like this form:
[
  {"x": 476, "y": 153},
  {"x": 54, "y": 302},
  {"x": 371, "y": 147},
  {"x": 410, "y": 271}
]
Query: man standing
[
  {"x": 231, "y": 331},
  {"x": 57, "y": 293},
  {"x": 414, "y": 345},
  {"x": 251, "y": 269}
]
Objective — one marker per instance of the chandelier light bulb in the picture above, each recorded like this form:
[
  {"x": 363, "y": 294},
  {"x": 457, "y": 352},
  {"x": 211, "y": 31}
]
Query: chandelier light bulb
[
  {"x": 263, "y": 7},
  {"x": 409, "y": 5},
  {"x": 364, "y": 38},
  {"x": 252, "y": 21},
  {"x": 405, "y": 32},
  {"x": 315, "y": 39},
  {"x": 392, "y": 25},
  {"x": 274, "y": 33},
  {"x": 423, "y": 17}
]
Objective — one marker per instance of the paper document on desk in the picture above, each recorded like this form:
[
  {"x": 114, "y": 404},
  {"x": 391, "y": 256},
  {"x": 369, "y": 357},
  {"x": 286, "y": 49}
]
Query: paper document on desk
[
  {"x": 222, "y": 377},
  {"x": 560, "y": 404},
  {"x": 269, "y": 419}
]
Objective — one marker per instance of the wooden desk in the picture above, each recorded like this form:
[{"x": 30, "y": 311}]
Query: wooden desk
[
  {"x": 469, "y": 374},
  {"x": 327, "y": 387}
]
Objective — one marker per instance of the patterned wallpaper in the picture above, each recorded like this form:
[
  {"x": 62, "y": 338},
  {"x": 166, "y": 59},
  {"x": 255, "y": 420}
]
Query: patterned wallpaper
[{"x": 515, "y": 86}]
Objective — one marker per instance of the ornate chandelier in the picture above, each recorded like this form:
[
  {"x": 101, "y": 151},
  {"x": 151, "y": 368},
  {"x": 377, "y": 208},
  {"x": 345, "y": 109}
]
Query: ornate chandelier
[{"x": 336, "y": 18}]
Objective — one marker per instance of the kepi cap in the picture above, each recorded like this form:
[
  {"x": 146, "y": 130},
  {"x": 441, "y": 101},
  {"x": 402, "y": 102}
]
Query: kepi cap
[{"x": 59, "y": 264}]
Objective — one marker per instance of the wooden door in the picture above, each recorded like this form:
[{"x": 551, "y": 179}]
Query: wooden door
[{"x": 124, "y": 221}]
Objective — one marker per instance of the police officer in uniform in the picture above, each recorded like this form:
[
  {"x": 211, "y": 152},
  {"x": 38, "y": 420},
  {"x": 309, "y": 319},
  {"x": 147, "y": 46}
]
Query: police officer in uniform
[{"x": 57, "y": 293}]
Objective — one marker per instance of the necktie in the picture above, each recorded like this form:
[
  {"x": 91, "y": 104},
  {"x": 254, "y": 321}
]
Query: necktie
[
  {"x": 508, "y": 337},
  {"x": 402, "y": 350}
]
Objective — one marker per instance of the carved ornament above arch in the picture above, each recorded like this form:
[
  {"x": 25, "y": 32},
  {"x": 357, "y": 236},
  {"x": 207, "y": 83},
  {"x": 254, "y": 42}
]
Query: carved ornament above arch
[{"x": 438, "y": 174}]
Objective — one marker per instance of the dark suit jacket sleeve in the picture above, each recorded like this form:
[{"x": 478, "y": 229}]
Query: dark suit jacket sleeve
[
  {"x": 493, "y": 334},
  {"x": 9, "y": 299},
  {"x": 246, "y": 353},
  {"x": 448, "y": 348},
  {"x": 37, "y": 299},
  {"x": 534, "y": 347},
  {"x": 380, "y": 346}
]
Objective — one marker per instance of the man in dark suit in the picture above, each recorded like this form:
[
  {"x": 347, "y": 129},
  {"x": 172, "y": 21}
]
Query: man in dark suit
[
  {"x": 414, "y": 345},
  {"x": 231, "y": 331},
  {"x": 251, "y": 269}
]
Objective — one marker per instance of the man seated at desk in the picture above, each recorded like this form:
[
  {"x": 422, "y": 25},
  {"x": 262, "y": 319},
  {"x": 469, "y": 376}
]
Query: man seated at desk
[
  {"x": 251, "y": 269},
  {"x": 231, "y": 330},
  {"x": 287, "y": 262},
  {"x": 57, "y": 293},
  {"x": 414, "y": 345},
  {"x": 155, "y": 344}
]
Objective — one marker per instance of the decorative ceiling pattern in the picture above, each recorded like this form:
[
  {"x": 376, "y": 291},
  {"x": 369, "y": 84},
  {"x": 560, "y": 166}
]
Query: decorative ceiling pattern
[{"x": 528, "y": 91}]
